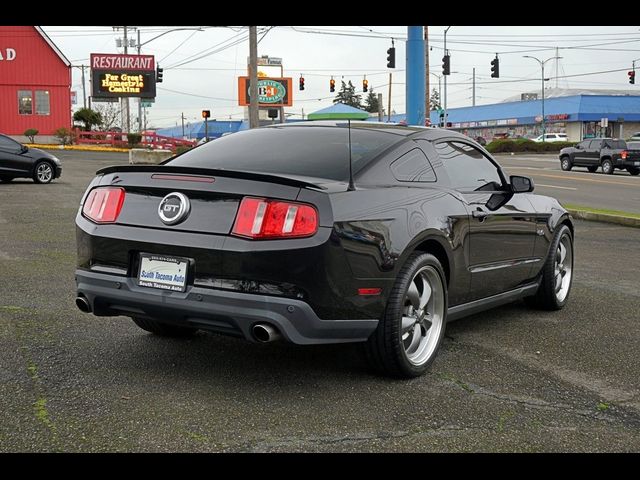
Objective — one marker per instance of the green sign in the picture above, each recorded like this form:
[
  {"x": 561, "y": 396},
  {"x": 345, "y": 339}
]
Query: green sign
[
  {"x": 270, "y": 91},
  {"x": 146, "y": 104}
]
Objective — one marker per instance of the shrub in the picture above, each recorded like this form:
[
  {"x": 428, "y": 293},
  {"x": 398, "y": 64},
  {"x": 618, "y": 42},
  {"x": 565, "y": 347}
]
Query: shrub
[
  {"x": 525, "y": 145},
  {"x": 182, "y": 149},
  {"x": 30, "y": 133},
  {"x": 134, "y": 139},
  {"x": 64, "y": 135}
]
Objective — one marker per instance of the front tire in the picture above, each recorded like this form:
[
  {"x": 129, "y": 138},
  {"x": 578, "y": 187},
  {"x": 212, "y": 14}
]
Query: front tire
[
  {"x": 607, "y": 166},
  {"x": 163, "y": 329},
  {"x": 412, "y": 327},
  {"x": 565, "y": 164},
  {"x": 557, "y": 273},
  {"x": 43, "y": 172}
]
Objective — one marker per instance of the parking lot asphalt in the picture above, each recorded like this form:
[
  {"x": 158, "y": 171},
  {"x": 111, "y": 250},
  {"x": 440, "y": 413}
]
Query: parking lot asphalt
[{"x": 511, "y": 379}]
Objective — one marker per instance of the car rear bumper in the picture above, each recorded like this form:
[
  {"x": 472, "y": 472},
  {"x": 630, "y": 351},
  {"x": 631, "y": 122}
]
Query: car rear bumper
[
  {"x": 222, "y": 311},
  {"x": 620, "y": 163}
]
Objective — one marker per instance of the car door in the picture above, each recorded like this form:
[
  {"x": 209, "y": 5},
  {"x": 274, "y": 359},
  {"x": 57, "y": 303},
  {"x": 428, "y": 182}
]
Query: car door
[
  {"x": 502, "y": 225},
  {"x": 578, "y": 156},
  {"x": 12, "y": 162},
  {"x": 592, "y": 154}
]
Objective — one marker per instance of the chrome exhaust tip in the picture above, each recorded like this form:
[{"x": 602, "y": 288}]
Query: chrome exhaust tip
[
  {"x": 83, "y": 304},
  {"x": 265, "y": 333}
]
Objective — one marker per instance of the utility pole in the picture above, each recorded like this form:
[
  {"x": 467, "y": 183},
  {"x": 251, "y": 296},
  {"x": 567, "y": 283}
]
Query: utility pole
[
  {"x": 182, "y": 117},
  {"x": 125, "y": 100},
  {"x": 557, "y": 66},
  {"x": 84, "y": 91},
  {"x": 380, "y": 109},
  {"x": 415, "y": 95},
  {"x": 445, "y": 78},
  {"x": 473, "y": 95},
  {"x": 389, "y": 108},
  {"x": 140, "y": 99},
  {"x": 253, "y": 77},
  {"x": 427, "y": 93}
]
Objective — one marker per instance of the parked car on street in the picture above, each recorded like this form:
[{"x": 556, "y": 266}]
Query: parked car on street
[
  {"x": 635, "y": 136},
  {"x": 607, "y": 153},
  {"x": 265, "y": 234},
  {"x": 552, "y": 137},
  {"x": 19, "y": 161}
]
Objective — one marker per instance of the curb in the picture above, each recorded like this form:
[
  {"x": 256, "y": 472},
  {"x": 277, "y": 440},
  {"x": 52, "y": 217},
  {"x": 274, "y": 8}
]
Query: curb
[
  {"x": 605, "y": 217},
  {"x": 76, "y": 148}
]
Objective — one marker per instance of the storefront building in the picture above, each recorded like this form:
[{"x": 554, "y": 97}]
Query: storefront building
[
  {"x": 579, "y": 116},
  {"x": 35, "y": 84}
]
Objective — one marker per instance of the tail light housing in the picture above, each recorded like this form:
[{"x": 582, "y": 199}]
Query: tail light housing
[
  {"x": 103, "y": 204},
  {"x": 262, "y": 218},
  {"x": 624, "y": 154}
]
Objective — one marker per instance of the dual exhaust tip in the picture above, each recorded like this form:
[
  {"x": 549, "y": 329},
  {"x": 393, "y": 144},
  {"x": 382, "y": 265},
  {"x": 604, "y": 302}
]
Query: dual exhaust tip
[{"x": 262, "y": 332}]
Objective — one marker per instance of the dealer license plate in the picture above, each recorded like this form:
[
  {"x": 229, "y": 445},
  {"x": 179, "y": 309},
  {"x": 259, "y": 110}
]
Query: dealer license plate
[{"x": 160, "y": 271}]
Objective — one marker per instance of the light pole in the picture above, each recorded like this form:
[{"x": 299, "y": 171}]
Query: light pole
[
  {"x": 445, "y": 78},
  {"x": 140, "y": 45},
  {"x": 542, "y": 67}
]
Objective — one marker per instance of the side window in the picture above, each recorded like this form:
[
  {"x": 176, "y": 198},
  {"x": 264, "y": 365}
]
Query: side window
[
  {"x": 584, "y": 144},
  {"x": 8, "y": 144},
  {"x": 468, "y": 169},
  {"x": 595, "y": 144},
  {"x": 413, "y": 166}
]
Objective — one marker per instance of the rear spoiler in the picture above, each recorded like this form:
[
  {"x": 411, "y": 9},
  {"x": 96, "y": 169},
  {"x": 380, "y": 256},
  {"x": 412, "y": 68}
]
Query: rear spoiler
[{"x": 247, "y": 175}]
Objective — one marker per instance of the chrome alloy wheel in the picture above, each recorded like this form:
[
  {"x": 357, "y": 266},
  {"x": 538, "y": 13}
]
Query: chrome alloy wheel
[
  {"x": 563, "y": 267},
  {"x": 422, "y": 315},
  {"x": 44, "y": 172}
]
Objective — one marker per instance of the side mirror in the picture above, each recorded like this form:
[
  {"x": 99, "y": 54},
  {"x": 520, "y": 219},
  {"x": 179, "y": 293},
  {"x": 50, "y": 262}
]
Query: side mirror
[
  {"x": 578, "y": 147},
  {"x": 24, "y": 149},
  {"x": 520, "y": 184}
]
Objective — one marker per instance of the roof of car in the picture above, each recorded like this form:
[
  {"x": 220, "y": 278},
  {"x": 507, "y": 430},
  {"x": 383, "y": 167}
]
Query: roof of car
[{"x": 427, "y": 133}]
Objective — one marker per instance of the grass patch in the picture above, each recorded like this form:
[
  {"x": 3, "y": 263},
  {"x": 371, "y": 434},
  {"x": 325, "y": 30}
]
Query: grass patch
[
  {"x": 32, "y": 370},
  {"x": 40, "y": 409},
  {"x": 10, "y": 308},
  {"x": 503, "y": 419},
  {"x": 604, "y": 211},
  {"x": 603, "y": 406},
  {"x": 457, "y": 381}
]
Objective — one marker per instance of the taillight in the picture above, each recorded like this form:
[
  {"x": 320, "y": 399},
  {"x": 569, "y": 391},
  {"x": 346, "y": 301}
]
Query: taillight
[
  {"x": 624, "y": 154},
  {"x": 103, "y": 204},
  {"x": 260, "y": 218}
]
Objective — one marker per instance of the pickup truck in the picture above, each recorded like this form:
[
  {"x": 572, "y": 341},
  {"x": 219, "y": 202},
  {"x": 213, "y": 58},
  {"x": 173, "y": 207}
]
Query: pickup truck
[{"x": 608, "y": 153}]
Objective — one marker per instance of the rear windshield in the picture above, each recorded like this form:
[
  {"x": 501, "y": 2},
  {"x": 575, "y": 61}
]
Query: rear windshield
[{"x": 311, "y": 151}]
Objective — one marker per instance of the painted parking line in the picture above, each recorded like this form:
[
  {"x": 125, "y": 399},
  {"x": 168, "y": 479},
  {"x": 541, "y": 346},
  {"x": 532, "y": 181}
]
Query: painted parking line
[
  {"x": 578, "y": 179},
  {"x": 555, "y": 186}
]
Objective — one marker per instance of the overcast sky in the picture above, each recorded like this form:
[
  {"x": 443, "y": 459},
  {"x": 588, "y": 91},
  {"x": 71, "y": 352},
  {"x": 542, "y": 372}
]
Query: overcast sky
[{"x": 201, "y": 67}]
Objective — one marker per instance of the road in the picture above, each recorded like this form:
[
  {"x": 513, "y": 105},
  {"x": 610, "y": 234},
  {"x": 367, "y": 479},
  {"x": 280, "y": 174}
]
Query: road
[
  {"x": 619, "y": 191},
  {"x": 512, "y": 379}
]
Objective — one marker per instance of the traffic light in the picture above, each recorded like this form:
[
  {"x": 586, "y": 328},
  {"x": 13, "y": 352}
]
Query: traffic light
[
  {"x": 446, "y": 65},
  {"x": 301, "y": 83},
  {"x": 391, "y": 57},
  {"x": 441, "y": 122},
  {"x": 495, "y": 68},
  {"x": 365, "y": 85},
  {"x": 158, "y": 74},
  {"x": 632, "y": 76},
  {"x": 206, "y": 113},
  {"x": 332, "y": 85}
]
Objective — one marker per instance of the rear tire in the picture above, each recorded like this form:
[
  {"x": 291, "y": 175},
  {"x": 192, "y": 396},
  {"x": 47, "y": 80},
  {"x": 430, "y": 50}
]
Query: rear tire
[
  {"x": 43, "y": 172},
  {"x": 557, "y": 273},
  {"x": 412, "y": 326},
  {"x": 565, "y": 164},
  {"x": 607, "y": 166},
  {"x": 593, "y": 169},
  {"x": 163, "y": 329},
  {"x": 633, "y": 170}
]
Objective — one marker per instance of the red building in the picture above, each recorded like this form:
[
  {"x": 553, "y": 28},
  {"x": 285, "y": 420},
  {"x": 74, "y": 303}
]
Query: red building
[{"x": 35, "y": 83}]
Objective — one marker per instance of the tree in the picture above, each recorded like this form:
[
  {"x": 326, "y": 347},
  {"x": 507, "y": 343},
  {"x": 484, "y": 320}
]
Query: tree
[
  {"x": 435, "y": 100},
  {"x": 88, "y": 117},
  {"x": 110, "y": 113},
  {"x": 371, "y": 102},
  {"x": 347, "y": 95},
  {"x": 30, "y": 132}
]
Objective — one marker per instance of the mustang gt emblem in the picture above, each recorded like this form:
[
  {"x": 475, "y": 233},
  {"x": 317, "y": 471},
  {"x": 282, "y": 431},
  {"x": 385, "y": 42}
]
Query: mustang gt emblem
[{"x": 174, "y": 208}]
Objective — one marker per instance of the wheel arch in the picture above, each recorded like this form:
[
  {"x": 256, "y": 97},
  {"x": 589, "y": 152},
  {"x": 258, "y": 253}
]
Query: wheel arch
[
  {"x": 436, "y": 246},
  {"x": 43, "y": 159}
]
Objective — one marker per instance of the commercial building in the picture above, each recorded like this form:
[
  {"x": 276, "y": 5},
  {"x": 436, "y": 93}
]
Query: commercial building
[
  {"x": 35, "y": 84},
  {"x": 578, "y": 113}
]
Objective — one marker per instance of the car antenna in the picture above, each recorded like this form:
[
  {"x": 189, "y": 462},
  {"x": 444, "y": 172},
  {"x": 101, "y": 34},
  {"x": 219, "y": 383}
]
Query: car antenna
[{"x": 351, "y": 186}]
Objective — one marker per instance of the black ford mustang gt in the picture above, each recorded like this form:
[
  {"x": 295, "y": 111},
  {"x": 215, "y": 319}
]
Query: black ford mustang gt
[{"x": 268, "y": 234}]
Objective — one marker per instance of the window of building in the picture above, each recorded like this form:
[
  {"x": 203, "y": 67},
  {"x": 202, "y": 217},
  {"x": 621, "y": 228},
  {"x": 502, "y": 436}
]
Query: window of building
[
  {"x": 468, "y": 169},
  {"x": 42, "y": 102},
  {"x": 413, "y": 166},
  {"x": 25, "y": 102}
]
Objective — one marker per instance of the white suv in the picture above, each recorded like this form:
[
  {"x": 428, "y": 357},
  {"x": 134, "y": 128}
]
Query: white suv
[{"x": 552, "y": 137}]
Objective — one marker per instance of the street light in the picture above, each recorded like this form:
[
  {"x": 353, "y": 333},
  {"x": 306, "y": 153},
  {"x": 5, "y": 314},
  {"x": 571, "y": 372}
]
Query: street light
[
  {"x": 140, "y": 45},
  {"x": 445, "y": 77},
  {"x": 543, "y": 79}
]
